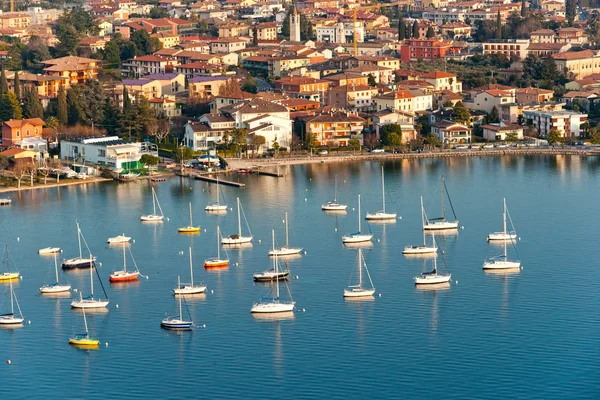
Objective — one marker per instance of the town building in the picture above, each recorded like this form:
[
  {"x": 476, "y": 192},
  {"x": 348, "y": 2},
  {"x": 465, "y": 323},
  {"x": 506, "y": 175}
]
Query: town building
[
  {"x": 333, "y": 128},
  {"x": 567, "y": 123},
  {"x": 16, "y": 130},
  {"x": 443, "y": 81},
  {"x": 500, "y": 130},
  {"x": 108, "y": 151},
  {"x": 352, "y": 97},
  {"x": 579, "y": 63},
  {"x": 450, "y": 132},
  {"x": 509, "y": 47},
  {"x": 76, "y": 69}
]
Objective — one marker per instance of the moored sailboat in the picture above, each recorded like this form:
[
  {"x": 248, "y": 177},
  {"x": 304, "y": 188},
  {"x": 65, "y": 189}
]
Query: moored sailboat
[
  {"x": 217, "y": 262},
  {"x": 80, "y": 262},
  {"x": 504, "y": 235},
  {"x": 55, "y": 287},
  {"x": 358, "y": 236},
  {"x": 190, "y": 228},
  {"x": 216, "y": 206},
  {"x": 432, "y": 277},
  {"x": 90, "y": 301},
  {"x": 11, "y": 318},
  {"x": 274, "y": 273},
  {"x": 8, "y": 276},
  {"x": 285, "y": 250},
  {"x": 359, "y": 290},
  {"x": 381, "y": 215},
  {"x": 238, "y": 238},
  {"x": 119, "y": 239},
  {"x": 189, "y": 288},
  {"x": 124, "y": 275},
  {"x": 333, "y": 205},
  {"x": 84, "y": 339},
  {"x": 502, "y": 262},
  {"x": 177, "y": 322},
  {"x": 154, "y": 217},
  {"x": 421, "y": 249},
  {"x": 441, "y": 223}
]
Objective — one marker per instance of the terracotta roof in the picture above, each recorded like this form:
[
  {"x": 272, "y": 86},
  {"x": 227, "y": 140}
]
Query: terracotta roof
[
  {"x": 12, "y": 152},
  {"x": 542, "y": 32},
  {"x": 503, "y": 127},
  {"x": 574, "y": 55},
  {"x": 499, "y": 93},
  {"x": 217, "y": 118},
  {"x": 300, "y": 80},
  {"x": 351, "y": 88},
  {"x": 491, "y": 86},
  {"x": 17, "y": 123},
  {"x": 160, "y": 100},
  {"x": 438, "y": 75},
  {"x": 255, "y": 106},
  {"x": 532, "y": 90},
  {"x": 398, "y": 94},
  {"x": 333, "y": 117}
]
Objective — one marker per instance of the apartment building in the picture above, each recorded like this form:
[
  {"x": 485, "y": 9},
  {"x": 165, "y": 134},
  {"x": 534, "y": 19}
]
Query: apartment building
[
  {"x": 567, "y": 123},
  {"x": 508, "y": 47}
]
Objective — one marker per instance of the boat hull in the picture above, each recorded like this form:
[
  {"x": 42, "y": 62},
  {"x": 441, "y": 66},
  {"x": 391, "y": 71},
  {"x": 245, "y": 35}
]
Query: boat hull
[
  {"x": 359, "y": 292},
  {"x": 55, "y": 289},
  {"x": 176, "y": 324},
  {"x": 79, "y": 263},
  {"x": 356, "y": 238},
  {"x": 380, "y": 216},
  {"x": 122, "y": 276},
  {"x": 334, "y": 207},
  {"x": 440, "y": 226},
  {"x": 89, "y": 303},
  {"x": 84, "y": 342},
  {"x": 7, "y": 276},
  {"x": 419, "y": 250},
  {"x": 272, "y": 308},
  {"x": 215, "y": 207},
  {"x": 189, "y": 229},
  {"x": 432, "y": 279},
  {"x": 236, "y": 240},
  {"x": 496, "y": 265},
  {"x": 118, "y": 240},
  {"x": 285, "y": 251},
  {"x": 271, "y": 276},
  {"x": 501, "y": 236},
  {"x": 151, "y": 218},
  {"x": 189, "y": 290},
  {"x": 216, "y": 263},
  {"x": 11, "y": 320},
  {"x": 49, "y": 250}
]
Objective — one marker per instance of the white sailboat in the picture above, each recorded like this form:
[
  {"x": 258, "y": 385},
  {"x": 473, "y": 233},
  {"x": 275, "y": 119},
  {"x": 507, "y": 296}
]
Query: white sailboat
[
  {"x": 55, "y": 287},
  {"x": 273, "y": 274},
  {"x": 359, "y": 290},
  {"x": 216, "y": 206},
  {"x": 238, "y": 238},
  {"x": 432, "y": 277},
  {"x": 190, "y": 228},
  {"x": 177, "y": 322},
  {"x": 358, "y": 236},
  {"x": 79, "y": 262},
  {"x": 90, "y": 301},
  {"x": 154, "y": 217},
  {"x": 189, "y": 288},
  {"x": 119, "y": 239},
  {"x": 274, "y": 304},
  {"x": 502, "y": 262},
  {"x": 381, "y": 215},
  {"x": 285, "y": 250},
  {"x": 124, "y": 275},
  {"x": 334, "y": 205},
  {"x": 504, "y": 235},
  {"x": 11, "y": 318},
  {"x": 442, "y": 223},
  {"x": 217, "y": 262},
  {"x": 421, "y": 249}
]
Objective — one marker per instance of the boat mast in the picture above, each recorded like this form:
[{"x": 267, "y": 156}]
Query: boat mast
[
  {"x": 335, "y": 198},
  {"x": 383, "y": 189},
  {"x": 504, "y": 216},
  {"x": 359, "y": 213},
  {"x": 239, "y": 219},
  {"x": 85, "y": 323},
  {"x": 286, "y": 230},
  {"x": 435, "y": 258},
  {"x": 78, "y": 239},
  {"x": 179, "y": 285},
  {"x": 12, "y": 306},
  {"x": 191, "y": 221},
  {"x": 218, "y": 247},
  {"x": 91, "y": 277},
  {"x": 191, "y": 269},
  {"x": 124, "y": 260},
  {"x": 360, "y": 268},
  {"x": 443, "y": 206},
  {"x": 55, "y": 268},
  {"x": 218, "y": 196},
  {"x": 153, "y": 202},
  {"x": 423, "y": 222},
  {"x": 275, "y": 268}
]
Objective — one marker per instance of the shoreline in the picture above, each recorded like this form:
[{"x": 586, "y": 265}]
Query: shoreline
[
  {"x": 252, "y": 163},
  {"x": 25, "y": 186}
]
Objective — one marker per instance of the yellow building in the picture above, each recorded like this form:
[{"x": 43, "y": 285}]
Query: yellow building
[
  {"x": 164, "y": 107},
  {"x": 579, "y": 63},
  {"x": 206, "y": 86},
  {"x": 233, "y": 30},
  {"x": 76, "y": 69},
  {"x": 168, "y": 40},
  {"x": 14, "y": 20}
]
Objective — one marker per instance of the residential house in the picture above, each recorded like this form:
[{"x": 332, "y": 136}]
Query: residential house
[
  {"x": 500, "y": 130},
  {"x": 352, "y": 97},
  {"x": 15, "y": 130},
  {"x": 234, "y": 30},
  {"x": 266, "y": 31},
  {"x": 227, "y": 45},
  {"x": 282, "y": 65},
  {"x": 347, "y": 78},
  {"x": 579, "y": 63},
  {"x": 450, "y": 132},
  {"x": 532, "y": 95},
  {"x": 46, "y": 86},
  {"x": 382, "y": 75},
  {"x": 164, "y": 107},
  {"x": 427, "y": 49},
  {"x": 332, "y": 128},
  {"x": 443, "y": 81},
  {"x": 298, "y": 86},
  {"x": 567, "y": 123},
  {"x": 146, "y": 65},
  {"x": 405, "y": 120},
  {"x": 168, "y": 40},
  {"x": 584, "y": 101},
  {"x": 574, "y": 36},
  {"x": 488, "y": 99},
  {"x": 76, "y": 69},
  {"x": 542, "y": 36},
  {"x": 456, "y": 30},
  {"x": 110, "y": 151},
  {"x": 399, "y": 100},
  {"x": 206, "y": 86},
  {"x": 208, "y": 131},
  {"x": 508, "y": 47}
]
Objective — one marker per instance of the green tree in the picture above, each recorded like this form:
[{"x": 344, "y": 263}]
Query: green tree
[
  {"x": 156, "y": 12},
  {"x": 15, "y": 57},
  {"x": 92, "y": 96},
  {"x": 144, "y": 43},
  {"x": 550, "y": 72},
  {"x": 112, "y": 53},
  {"x": 17, "y": 85},
  {"x": 493, "y": 117},
  {"x": 371, "y": 80},
  {"x": 254, "y": 37},
  {"x": 498, "y": 26},
  {"x": 432, "y": 141},
  {"x": 183, "y": 153},
  {"x": 3, "y": 82},
  {"x": 249, "y": 85},
  {"x": 354, "y": 144},
  {"x": 309, "y": 31},
  {"x": 149, "y": 160},
  {"x": 258, "y": 141},
  {"x": 68, "y": 38},
  {"x": 126, "y": 100},
  {"x": 9, "y": 107},
  {"x": 461, "y": 114},
  {"x": 75, "y": 112},
  {"x": 570, "y": 11},
  {"x": 430, "y": 32},
  {"x": 112, "y": 117},
  {"x": 32, "y": 107},
  {"x": 34, "y": 53},
  {"x": 523, "y": 9},
  {"x": 415, "y": 30},
  {"x": 594, "y": 135},
  {"x": 128, "y": 51},
  {"x": 387, "y": 130},
  {"x": 285, "y": 26},
  {"x": 511, "y": 137},
  {"x": 401, "y": 29},
  {"x": 394, "y": 139},
  {"x": 61, "y": 110},
  {"x": 554, "y": 136}
]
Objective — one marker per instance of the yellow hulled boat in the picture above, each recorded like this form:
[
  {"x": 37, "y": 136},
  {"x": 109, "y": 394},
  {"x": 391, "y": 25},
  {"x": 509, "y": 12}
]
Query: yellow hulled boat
[
  {"x": 191, "y": 228},
  {"x": 7, "y": 276}
]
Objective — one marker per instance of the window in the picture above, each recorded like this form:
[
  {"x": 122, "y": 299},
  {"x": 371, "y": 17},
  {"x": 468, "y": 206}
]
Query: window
[
  {"x": 18, "y": 133},
  {"x": 101, "y": 153}
]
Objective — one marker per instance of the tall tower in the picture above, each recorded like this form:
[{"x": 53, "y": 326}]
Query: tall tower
[{"x": 295, "y": 26}]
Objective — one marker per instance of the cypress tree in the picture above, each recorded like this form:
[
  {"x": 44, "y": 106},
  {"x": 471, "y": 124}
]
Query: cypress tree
[
  {"x": 430, "y": 32},
  {"x": 32, "y": 107},
  {"x": 523, "y": 9},
  {"x": 3, "y": 83},
  {"x": 498, "y": 26},
  {"x": 17, "y": 85},
  {"x": 415, "y": 30},
  {"x": 570, "y": 11},
  {"x": 61, "y": 112},
  {"x": 255, "y": 37},
  {"x": 126, "y": 100},
  {"x": 401, "y": 29}
]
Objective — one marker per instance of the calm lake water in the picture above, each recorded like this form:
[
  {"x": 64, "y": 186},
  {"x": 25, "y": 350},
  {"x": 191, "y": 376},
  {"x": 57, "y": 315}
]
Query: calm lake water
[{"x": 532, "y": 334}]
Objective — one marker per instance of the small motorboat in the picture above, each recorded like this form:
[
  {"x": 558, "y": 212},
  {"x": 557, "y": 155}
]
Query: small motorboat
[
  {"x": 49, "y": 250},
  {"x": 119, "y": 239}
]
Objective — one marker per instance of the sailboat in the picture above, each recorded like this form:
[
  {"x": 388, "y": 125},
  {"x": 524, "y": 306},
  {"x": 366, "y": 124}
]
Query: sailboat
[
  {"x": 84, "y": 339},
  {"x": 217, "y": 262},
  {"x": 55, "y": 287},
  {"x": 124, "y": 275},
  {"x": 273, "y": 304},
  {"x": 502, "y": 261},
  {"x": 442, "y": 223},
  {"x": 421, "y": 249},
  {"x": 285, "y": 250},
  {"x": 273, "y": 274},
  {"x": 381, "y": 215},
  {"x": 334, "y": 205},
  {"x": 119, "y": 239},
  {"x": 7, "y": 276},
  {"x": 177, "y": 323},
  {"x": 90, "y": 301},
  {"x": 154, "y": 217},
  {"x": 504, "y": 235},
  {"x": 10, "y": 318},
  {"x": 357, "y": 237},
  {"x": 190, "y": 288},
  {"x": 216, "y": 206},
  {"x": 432, "y": 277},
  {"x": 79, "y": 262},
  {"x": 359, "y": 290},
  {"x": 238, "y": 238},
  {"x": 191, "y": 228}
]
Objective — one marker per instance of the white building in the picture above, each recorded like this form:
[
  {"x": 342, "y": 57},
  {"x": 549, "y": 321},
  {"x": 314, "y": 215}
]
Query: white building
[
  {"x": 488, "y": 99},
  {"x": 567, "y": 123},
  {"x": 208, "y": 132},
  {"x": 450, "y": 132},
  {"x": 499, "y": 131},
  {"x": 295, "y": 26},
  {"x": 342, "y": 32},
  {"x": 508, "y": 47},
  {"x": 110, "y": 151}
]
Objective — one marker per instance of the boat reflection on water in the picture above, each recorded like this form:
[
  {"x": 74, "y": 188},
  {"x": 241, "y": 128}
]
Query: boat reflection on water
[
  {"x": 444, "y": 232},
  {"x": 433, "y": 287},
  {"x": 88, "y": 347},
  {"x": 336, "y": 213},
  {"x": 57, "y": 295},
  {"x": 91, "y": 311},
  {"x": 362, "y": 245},
  {"x": 420, "y": 256},
  {"x": 241, "y": 246},
  {"x": 124, "y": 284},
  {"x": 10, "y": 327},
  {"x": 274, "y": 316},
  {"x": 364, "y": 299},
  {"x": 503, "y": 272},
  {"x": 382, "y": 221}
]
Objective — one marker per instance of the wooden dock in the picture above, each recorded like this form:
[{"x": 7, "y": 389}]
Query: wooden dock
[
  {"x": 210, "y": 179},
  {"x": 276, "y": 174}
]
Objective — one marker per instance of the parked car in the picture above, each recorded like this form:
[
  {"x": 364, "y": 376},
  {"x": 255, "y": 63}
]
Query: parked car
[
  {"x": 502, "y": 146},
  {"x": 462, "y": 147},
  {"x": 323, "y": 152},
  {"x": 378, "y": 151},
  {"x": 488, "y": 146}
]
